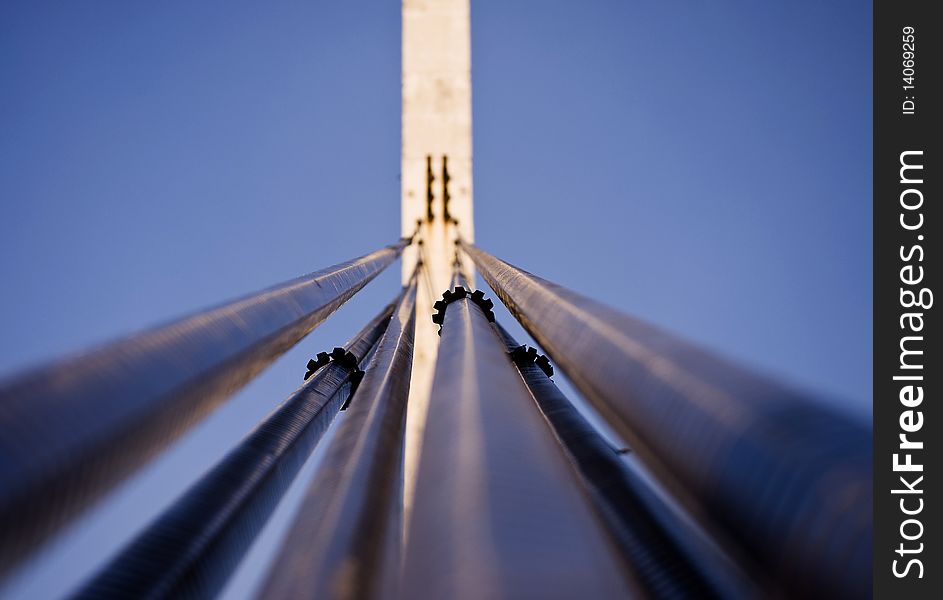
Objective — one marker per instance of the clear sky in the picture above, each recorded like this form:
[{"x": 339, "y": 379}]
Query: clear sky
[{"x": 703, "y": 165}]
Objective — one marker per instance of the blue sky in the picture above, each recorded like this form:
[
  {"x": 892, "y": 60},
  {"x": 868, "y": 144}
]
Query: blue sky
[{"x": 705, "y": 166}]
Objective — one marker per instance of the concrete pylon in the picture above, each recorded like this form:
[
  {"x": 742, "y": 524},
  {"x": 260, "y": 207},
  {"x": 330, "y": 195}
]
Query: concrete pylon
[{"x": 436, "y": 177}]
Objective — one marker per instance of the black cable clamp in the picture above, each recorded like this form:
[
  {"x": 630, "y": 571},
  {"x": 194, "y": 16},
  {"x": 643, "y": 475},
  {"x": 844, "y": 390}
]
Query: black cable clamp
[
  {"x": 525, "y": 355},
  {"x": 449, "y": 296},
  {"x": 343, "y": 358}
]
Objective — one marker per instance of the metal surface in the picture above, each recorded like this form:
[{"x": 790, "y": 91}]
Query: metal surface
[
  {"x": 498, "y": 510},
  {"x": 193, "y": 547},
  {"x": 71, "y": 430},
  {"x": 665, "y": 559},
  {"x": 345, "y": 541},
  {"x": 772, "y": 472}
]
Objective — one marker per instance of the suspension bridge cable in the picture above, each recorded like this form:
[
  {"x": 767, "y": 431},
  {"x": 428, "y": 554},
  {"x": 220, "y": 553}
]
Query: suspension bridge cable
[
  {"x": 193, "y": 547},
  {"x": 498, "y": 511},
  {"x": 71, "y": 430},
  {"x": 345, "y": 540},
  {"x": 666, "y": 560},
  {"x": 774, "y": 474}
]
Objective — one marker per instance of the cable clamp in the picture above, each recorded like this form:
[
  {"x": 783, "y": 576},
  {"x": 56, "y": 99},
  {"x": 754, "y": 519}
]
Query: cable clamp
[
  {"x": 525, "y": 355},
  {"x": 343, "y": 358},
  {"x": 459, "y": 293}
]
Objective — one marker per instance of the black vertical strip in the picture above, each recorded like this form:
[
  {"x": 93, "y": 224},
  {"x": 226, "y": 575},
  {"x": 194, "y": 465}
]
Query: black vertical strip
[{"x": 907, "y": 100}]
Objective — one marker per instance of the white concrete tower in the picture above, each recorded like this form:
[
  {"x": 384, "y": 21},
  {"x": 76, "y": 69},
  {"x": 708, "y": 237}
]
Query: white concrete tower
[{"x": 436, "y": 175}]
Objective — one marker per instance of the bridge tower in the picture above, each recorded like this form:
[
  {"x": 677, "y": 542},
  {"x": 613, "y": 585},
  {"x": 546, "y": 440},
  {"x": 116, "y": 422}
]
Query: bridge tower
[{"x": 436, "y": 175}]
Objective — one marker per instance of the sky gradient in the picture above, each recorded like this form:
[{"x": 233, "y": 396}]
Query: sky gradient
[{"x": 704, "y": 166}]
